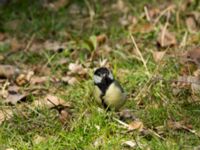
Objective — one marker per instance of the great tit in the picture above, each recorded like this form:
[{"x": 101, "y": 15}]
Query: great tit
[{"x": 108, "y": 92}]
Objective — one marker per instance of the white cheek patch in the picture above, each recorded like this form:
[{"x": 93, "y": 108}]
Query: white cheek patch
[
  {"x": 97, "y": 79},
  {"x": 110, "y": 76}
]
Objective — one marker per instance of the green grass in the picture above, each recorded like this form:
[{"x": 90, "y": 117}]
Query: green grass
[{"x": 91, "y": 124}]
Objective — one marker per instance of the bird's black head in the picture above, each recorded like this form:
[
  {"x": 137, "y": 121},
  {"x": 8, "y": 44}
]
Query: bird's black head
[{"x": 103, "y": 78}]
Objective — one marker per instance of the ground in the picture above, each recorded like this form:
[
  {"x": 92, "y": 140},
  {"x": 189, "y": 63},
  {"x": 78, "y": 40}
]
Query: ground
[{"x": 59, "y": 46}]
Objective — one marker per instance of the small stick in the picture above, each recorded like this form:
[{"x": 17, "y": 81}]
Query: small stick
[
  {"x": 139, "y": 53},
  {"x": 147, "y": 13},
  {"x": 29, "y": 43},
  {"x": 121, "y": 122},
  {"x": 183, "y": 42}
]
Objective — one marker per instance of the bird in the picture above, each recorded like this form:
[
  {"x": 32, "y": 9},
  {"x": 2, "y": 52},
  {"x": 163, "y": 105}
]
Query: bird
[{"x": 107, "y": 91}]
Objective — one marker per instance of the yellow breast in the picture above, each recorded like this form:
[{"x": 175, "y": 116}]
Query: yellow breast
[{"x": 114, "y": 97}]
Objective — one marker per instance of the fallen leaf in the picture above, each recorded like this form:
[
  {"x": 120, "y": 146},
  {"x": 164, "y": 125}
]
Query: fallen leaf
[
  {"x": 194, "y": 56},
  {"x": 181, "y": 125},
  {"x": 54, "y": 46},
  {"x": 24, "y": 78},
  {"x": 8, "y": 71},
  {"x": 77, "y": 69},
  {"x": 158, "y": 55},
  {"x": 21, "y": 80},
  {"x": 130, "y": 144},
  {"x": 69, "y": 80},
  {"x": 51, "y": 101},
  {"x": 38, "y": 80},
  {"x": 136, "y": 125},
  {"x": 13, "y": 98},
  {"x": 5, "y": 114},
  {"x": 101, "y": 39},
  {"x": 191, "y": 24},
  {"x": 174, "y": 125},
  {"x": 64, "y": 116},
  {"x": 13, "y": 89},
  {"x": 166, "y": 38}
]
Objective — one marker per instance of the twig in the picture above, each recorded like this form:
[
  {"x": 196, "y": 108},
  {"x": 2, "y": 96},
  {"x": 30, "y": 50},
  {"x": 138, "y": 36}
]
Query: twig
[
  {"x": 139, "y": 53},
  {"x": 121, "y": 122},
  {"x": 164, "y": 29},
  {"x": 183, "y": 42},
  {"x": 29, "y": 43},
  {"x": 156, "y": 134},
  {"x": 147, "y": 13}
]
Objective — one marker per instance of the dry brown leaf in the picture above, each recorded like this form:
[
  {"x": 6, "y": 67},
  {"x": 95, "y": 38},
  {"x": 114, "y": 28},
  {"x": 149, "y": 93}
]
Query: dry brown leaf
[
  {"x": 181, "y": 125},
  {"x": 76, "y": 68},
  {"x": 13, "y": 89},
  {"x": 41, "y": 70},
  {"x": 158, "y": 55},
  {"x": 101, "y": 39},
  {"x": 191, "y": 24},
  {"x": 23, "y": 79},
  {"x": 130, "y": 144},
  {"x": 13, "y": 98},
  {"x": 70, "y": 80},
  {"x": 51, "y": 101},
  {"x": 8, "y": 71},
  {"x": 54, "y": 46},
  {"x": 166, "y": 38},
  {"x": 64, "y": 116},
  {"x": 5, "y": 114},
  {"x": 136, "y": 125},
  {"x": 38, "y": 80},
  {"x": 174, "y": 125},
  {"x": 194, "y": 56}
]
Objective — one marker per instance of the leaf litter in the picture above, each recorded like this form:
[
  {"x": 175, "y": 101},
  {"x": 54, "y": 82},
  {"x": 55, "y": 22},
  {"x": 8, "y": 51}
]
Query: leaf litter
[{"x": 78, "y": 71}]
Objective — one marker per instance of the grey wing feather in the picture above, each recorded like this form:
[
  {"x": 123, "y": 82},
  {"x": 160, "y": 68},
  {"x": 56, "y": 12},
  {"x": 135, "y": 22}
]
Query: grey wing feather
[{"x": 118, "y": 85}]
